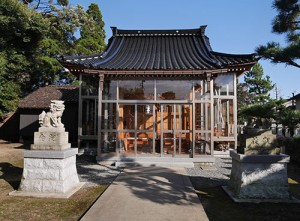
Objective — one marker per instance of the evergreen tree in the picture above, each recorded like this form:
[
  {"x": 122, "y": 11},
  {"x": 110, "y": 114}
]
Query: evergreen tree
[
  {"x": 92, "y": 38},
  {"x": 258, "y": 104},
  {"x": 258, "y": 87},
  {"x": 289, "y": 119},
  {"x": 243, "y": 100},
  {"x": 286, "y": 22},
  {"x": 21, "y": 32},
  {"x": 34, "y": 33}
]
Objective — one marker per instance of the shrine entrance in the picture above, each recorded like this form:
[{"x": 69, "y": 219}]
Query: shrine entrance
[
  {"x": 160, "y": 129},
  {"x": 173, "y": 129}
]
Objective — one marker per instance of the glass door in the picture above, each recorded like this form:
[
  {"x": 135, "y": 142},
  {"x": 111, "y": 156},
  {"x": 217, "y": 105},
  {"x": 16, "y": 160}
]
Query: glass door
[
  {"x": 174, "y": 134},
  {"x": 183, "y": 128}
]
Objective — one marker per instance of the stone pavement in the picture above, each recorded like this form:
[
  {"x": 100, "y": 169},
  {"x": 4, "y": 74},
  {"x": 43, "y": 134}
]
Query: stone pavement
[{"x": 148, "y": 193}]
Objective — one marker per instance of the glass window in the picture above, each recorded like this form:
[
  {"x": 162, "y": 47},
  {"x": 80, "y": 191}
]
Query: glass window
[
  {"x": 126, "y": 117},
  {"x": 202, "y": 143},
  {"x": 202, "y": 116},
  {"x": 167, "y": 119},
  {"x": 109, "y": 142},
  {"x": 90, "y": 85},
  {"x": 183, "y": 117},
  {"x": 108, "y": 117},
  {"x": 223, "y": 84},
  {"x": 174, "y": 90},
  {"x": 144, "y": 142},
  {"x": 183, "y": 143},
  {"x": 145, "y": 117},
  {"x": 89, "y": 117},
  {"x": 109, "y": 90},
  {"x": 202, "y": 91},
  {"x": 136, "y": 90},
  {"x": 223, "y": 119}
]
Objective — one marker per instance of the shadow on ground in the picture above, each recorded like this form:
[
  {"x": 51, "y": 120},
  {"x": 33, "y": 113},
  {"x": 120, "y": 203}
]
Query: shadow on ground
[
  {"x": 94, "y": 174},
  {"x": 219, "y": 206},
  {"x": 11, "y": 174},
  {"x": 156, "y": 184}
]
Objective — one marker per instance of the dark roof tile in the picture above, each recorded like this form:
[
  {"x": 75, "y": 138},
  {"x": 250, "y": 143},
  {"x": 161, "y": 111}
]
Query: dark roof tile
[
  {"x": 41, "y": 98},
  {"x": 187, "y": 49}
]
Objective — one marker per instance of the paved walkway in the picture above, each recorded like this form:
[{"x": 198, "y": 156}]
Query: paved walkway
[{"x": 146, "y": 194}]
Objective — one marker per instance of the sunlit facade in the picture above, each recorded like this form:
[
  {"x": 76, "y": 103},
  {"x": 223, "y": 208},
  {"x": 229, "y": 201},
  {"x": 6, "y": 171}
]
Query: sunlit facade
[{"x": 159, "y": 112}]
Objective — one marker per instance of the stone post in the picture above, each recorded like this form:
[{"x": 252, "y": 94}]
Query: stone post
[{"x": 259, "y": 178}]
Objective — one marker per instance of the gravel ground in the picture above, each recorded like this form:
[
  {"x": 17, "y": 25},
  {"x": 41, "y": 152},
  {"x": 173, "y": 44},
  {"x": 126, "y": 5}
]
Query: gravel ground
[
  {"x": 94, "y": 174},
  {"x": 211, "y": 176}
]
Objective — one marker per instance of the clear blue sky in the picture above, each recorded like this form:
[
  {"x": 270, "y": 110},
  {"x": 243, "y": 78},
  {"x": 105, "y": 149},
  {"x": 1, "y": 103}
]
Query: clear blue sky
[{"x": 233, "y": 26}]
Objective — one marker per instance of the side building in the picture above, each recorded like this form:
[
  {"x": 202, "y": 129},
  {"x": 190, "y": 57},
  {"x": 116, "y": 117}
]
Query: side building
[
  {"x": 158, "y": 95},
  {"x": 24, "y": 122}
]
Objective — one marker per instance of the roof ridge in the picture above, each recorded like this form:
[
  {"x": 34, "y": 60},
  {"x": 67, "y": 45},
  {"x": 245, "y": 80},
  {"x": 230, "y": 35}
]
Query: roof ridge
[{"x": 158, "y": 32}]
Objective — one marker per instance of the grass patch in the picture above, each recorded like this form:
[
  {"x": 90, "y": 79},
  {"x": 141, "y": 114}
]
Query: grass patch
[
  {"x": 219, "y": 206},
  {"x": 29, "y": 208}
]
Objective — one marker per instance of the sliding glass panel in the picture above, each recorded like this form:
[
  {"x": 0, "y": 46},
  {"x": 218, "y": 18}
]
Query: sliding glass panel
[
  {"x": 89, "y": 116},
  {"x": 202, "y": 143},
  {"x": 202, "y": 116},
  {"x": 183, "y": 117},
  {"x": 223, "y": 84},
  {"x": 89, "y": 85},
  {"x": 145, "y": 117},
  {"x": 144, "y": 143},
  {"x": 223, "y": 119},
  {"x": 126, "y": 117},
  {"x": 108, "y": 116},
  {"x": 127, "y": 142},
  {"x": 109, "y": 142},
  {"x": 136, "y": 90},
  {"x": 167, "y": 117},
  {"x": 174, "y": 90},
  {"x": 168, "y": 143},
  {"x": 202, "y": 91},
  {"x": 109, "y": 90},
  {"x": 183, "y": 143}
]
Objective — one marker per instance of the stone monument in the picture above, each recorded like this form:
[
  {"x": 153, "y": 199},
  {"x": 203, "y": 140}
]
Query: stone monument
[
  {"x": 50, "y": 164},
  {"x": 259, "y": 178}
]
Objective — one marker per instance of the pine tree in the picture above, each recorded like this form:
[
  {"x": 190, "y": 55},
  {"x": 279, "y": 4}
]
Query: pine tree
[
  {"x": 286, "y": 22},
  {"x": 258, "y": 87},
  {"x": 258, "y": 105}
]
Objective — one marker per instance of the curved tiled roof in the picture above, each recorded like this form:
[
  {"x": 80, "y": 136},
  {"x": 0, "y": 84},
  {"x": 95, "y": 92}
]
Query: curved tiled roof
[
  {"x": 41, "y": 98},
  {"x": 187, "y": 49}
]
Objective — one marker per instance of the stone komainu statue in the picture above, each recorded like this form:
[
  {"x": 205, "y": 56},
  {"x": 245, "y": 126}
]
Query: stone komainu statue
[{"x": 53, "y": 118}]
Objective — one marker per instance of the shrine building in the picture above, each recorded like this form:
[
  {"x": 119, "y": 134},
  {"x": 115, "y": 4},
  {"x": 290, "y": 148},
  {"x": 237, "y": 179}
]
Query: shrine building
[{"x": 158, "y": 96}]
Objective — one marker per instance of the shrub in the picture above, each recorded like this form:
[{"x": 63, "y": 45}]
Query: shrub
[{"x": 292, "y": 147}]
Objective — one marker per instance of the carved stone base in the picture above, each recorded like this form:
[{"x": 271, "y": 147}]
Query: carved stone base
[
  {"x": 259, "y": 176},
  {"x": 51, "y": 138},
  {"x": 49, "y": 172}
]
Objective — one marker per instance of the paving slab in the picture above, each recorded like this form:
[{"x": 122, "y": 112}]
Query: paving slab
[{"x": 148, "y": 193}]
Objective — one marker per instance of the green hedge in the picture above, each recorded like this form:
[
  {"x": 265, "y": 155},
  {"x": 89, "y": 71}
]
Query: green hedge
[{"x": 292, "y": 148}]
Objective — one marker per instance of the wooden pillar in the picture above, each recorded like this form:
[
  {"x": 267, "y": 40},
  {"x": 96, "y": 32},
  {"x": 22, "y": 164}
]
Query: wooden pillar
[
  {"x": 193, "y": 116},
  {"x": 235, "y": 111},
  {"x": 211, "y": 90},
  {"x": 100, "y": 89},
  {"x": 79, "y": 130}
]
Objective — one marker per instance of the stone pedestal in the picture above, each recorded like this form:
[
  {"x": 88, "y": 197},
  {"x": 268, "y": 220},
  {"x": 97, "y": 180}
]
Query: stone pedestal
[
  {"x": 50, "y": 166},
  {"x": 259, "y": 178},
  {"x": 50, "y": 138}
]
